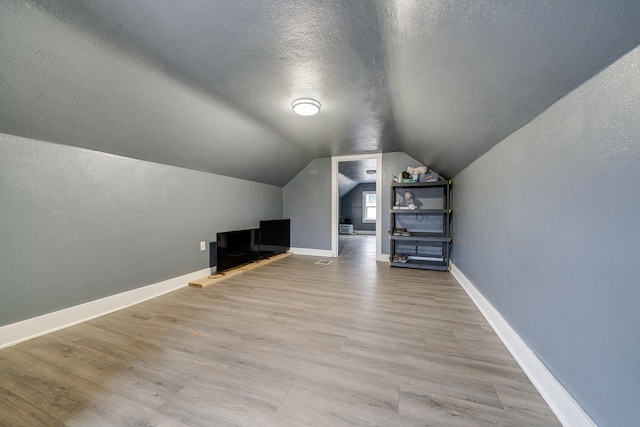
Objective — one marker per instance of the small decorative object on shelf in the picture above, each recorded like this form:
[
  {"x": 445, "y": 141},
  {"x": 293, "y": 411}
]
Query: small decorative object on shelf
[
  {"x": 421, "y": 223},
  {"x": 408, "y": 198},
  {"x": 418, "y": 170},
  {"x": 407, "y": 177}
]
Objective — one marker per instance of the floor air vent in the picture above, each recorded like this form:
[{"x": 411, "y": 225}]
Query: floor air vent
[{"x": 323, "y": 262}]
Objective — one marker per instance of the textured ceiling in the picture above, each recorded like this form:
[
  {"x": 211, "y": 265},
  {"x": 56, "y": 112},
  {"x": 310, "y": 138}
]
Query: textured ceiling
[
  {"x": 208, "y": 85},
  {"x": 352, "y": 173}
]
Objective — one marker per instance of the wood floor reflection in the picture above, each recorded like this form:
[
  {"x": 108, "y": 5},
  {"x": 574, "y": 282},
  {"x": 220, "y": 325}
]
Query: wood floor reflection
[
  {"x": 289, "y": 344},
  {"x": 358, "y": 247}
]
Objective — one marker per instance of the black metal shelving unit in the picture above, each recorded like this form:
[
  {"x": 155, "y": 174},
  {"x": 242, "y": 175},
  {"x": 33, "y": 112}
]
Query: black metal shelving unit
[{"x": 429, "y": 245}]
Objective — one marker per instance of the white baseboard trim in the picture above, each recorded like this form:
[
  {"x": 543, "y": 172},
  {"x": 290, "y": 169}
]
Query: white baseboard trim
[
  {"x": 563, "y": 405},
  {"x": 365, "y": 232},
  {"x": 312, "y": 252},
  {"x": 31, "y": 328}
]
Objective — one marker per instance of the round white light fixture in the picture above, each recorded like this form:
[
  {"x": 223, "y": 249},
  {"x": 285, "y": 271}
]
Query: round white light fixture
[
  {"x": 371, "y": 171},
  {"x": 306, "y": 106}
]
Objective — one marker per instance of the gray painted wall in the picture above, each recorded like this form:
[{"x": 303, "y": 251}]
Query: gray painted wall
[
  {"x": 392, "y": 165},
  {"x": 547, "y": 227},
  {"x": 307, "y": 202},
  {"x": 78, "y": 225},
  {"x": 351, "y": 206}
]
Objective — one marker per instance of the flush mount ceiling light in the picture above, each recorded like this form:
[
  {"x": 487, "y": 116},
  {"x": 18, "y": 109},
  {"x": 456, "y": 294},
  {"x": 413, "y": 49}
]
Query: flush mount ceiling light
[{"x": 306, "y": 106}]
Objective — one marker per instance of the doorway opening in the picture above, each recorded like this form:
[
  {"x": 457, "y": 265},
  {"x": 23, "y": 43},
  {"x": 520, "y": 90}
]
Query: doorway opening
[{"x": 356, "y": 206}]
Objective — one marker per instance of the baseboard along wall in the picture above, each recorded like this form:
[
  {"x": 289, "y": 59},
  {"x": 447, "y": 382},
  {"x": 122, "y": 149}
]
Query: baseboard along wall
[
  {"x": 563, "y": 405},
  {"x": 25, "y": 330},
  {"x": 312, "y": 252},
  {"x": 31, "y": 328}
]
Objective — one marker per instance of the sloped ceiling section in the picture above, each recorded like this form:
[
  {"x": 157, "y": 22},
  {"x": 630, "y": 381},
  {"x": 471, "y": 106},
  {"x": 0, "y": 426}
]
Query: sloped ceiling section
[
  {"x": 466, "y": 74},
  {"x": 208, "y": 85},
  {"x": 352, "y": 173}
]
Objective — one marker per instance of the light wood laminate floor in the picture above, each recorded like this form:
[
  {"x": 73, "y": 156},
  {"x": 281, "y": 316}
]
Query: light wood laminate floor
[{"x": 289, "y": 344}]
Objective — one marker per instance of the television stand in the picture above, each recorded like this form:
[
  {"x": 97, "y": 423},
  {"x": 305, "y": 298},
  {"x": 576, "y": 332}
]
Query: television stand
[{"x": 214, "y": 279}]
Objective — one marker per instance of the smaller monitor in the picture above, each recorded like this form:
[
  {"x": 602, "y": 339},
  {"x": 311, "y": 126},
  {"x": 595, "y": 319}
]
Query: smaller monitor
[{"x": 275, "y": 237}]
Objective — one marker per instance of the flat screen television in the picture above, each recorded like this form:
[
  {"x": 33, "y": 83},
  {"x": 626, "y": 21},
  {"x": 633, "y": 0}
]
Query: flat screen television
[
  {"x": 275, "y": 237},
  {"x": 236, "y": 248}
]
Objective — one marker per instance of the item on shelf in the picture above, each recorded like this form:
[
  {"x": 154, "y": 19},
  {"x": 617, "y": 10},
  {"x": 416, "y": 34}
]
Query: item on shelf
[
  {"x": 400, "y": 231},
  {"x": 429, "y": 177},
  {"x": 400, "y": 258},
  {"x": 407, "y": 177},
  {"x": 425, "y": 258},
  {"x": 408, "y": 199},
  {"x": 418, "y": 170}
]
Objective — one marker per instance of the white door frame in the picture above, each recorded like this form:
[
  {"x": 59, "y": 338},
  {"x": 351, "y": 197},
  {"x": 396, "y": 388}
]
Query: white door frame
[{"x": 335, "y": 196}]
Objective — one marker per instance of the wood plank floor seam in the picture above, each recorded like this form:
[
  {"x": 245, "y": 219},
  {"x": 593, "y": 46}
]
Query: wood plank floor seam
[{"x": 288, "y": 344}]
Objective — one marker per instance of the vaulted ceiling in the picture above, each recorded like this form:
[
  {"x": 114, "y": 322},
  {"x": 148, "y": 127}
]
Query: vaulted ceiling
[{"x": 208, "y": 85}]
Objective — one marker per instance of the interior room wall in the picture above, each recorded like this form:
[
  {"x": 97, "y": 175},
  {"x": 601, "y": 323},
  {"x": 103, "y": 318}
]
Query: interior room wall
[
  {"x": 547, "y": 228},
  {"x": 77, "y": 225},
  {"x": 351, "y": 206},
  {"x": 307, "y": 202}
]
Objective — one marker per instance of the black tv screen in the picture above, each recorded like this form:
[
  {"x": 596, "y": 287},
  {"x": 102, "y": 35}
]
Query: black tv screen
[
  {"x": 275, "y": 237},
  {"x": 236, "y": 248}
]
